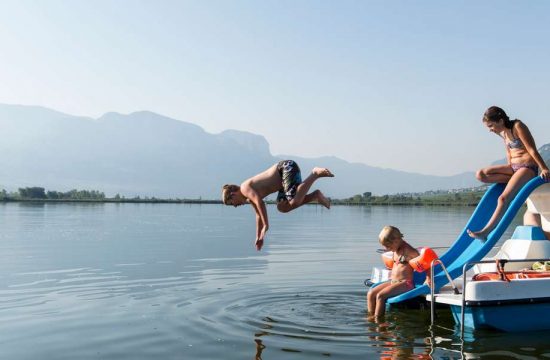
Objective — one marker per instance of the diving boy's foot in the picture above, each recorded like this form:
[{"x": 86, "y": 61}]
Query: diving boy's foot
[
  {"x": 322, "y": 172},
  {"x": 259, "y": 244},
  {"x": 481, "y": 235},
  {"x": 323, "y": 200}
]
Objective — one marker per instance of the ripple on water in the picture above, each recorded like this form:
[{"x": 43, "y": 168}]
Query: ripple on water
[{"x": 285, "y": 318}]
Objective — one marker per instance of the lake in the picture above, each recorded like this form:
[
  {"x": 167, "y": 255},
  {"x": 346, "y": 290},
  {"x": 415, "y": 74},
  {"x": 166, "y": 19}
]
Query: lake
[{"x": 174, "y": 281}]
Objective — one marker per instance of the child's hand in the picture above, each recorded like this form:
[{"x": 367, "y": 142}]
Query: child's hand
[
  {"x": 260, "y": 239},
  {"x": 545, "y": 175}
]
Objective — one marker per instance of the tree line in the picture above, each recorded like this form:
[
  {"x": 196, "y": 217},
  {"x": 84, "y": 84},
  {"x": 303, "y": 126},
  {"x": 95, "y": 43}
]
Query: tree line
[
  {"x": 40, "y": 193},
  {"x": 466, "y": 197}
]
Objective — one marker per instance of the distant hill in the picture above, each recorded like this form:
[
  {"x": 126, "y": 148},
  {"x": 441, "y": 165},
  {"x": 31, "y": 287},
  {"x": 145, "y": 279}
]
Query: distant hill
[
  {"x": 148, "y": 154},
  {"x": 544, "y": 151}
]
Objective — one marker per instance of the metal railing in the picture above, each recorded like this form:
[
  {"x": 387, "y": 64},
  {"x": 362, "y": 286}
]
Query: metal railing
[{"x": 432, "y": 286}]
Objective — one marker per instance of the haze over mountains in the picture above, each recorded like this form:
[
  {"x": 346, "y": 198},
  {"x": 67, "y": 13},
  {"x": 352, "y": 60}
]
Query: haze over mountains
[{"x": 148, "y": 154}]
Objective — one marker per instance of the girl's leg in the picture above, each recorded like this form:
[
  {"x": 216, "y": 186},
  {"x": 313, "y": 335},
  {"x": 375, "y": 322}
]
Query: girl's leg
[
  {"x": 371, "y": 297},
  {"x": 387, "y": 292},
  {"x": 302, "y": 197},
  {"x": 518, "y": 179},
  {"x": 495, "y": 174}
]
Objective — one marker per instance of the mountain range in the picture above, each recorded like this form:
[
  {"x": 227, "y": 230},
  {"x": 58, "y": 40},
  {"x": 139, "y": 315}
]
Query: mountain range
[{"x": 147, "y": 154}]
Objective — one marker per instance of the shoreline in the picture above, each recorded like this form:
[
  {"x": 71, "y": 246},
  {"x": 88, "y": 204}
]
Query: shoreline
[{"x": 219, "y": 202}]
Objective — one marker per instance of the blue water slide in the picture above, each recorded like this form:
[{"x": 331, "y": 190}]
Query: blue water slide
[{"x": 466, "y": 249}]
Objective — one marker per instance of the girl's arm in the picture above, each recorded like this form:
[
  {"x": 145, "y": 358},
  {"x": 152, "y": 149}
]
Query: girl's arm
[{"x": 525, "y": 136}]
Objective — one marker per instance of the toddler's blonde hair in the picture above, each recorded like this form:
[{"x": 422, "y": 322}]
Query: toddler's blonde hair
[{"x": 388, "y": 234}]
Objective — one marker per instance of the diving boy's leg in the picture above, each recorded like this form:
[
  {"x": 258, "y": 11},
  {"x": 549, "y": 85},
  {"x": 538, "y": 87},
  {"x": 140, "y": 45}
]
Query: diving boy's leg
[
  {"x": 286, "y": 206},
  {"x": 321, "y": 199},
  {"x": 321, "y": 172},
  {"x": 294, "y": 192},
  {"x": 302, "y": 189},
  {"x": 520, "y": 178}
]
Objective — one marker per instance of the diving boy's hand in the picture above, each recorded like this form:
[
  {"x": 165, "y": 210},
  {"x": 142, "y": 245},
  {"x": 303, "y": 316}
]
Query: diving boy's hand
[{"x": 260, "y": 239}]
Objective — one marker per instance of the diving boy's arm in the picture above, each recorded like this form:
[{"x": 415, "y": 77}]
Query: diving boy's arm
[
  {"x": 259, "y": 224},
  {"x": 261, "y": 227},
  {"x": 256, "y": 201},
  {"x": 261, "y": 214},
  {"x": 262, "y": 222}
]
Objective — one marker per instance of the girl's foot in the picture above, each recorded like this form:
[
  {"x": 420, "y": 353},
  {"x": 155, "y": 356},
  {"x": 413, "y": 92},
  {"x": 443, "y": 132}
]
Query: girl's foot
[
  {"x": 323, "y": 200},
  {"x": 481, "y": 235},
  {"x": 322, "y": 172}
]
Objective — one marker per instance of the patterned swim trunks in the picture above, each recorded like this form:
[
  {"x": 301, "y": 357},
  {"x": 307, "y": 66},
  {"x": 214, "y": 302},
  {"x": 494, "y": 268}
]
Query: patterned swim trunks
[{"x": 291, "y": 178}]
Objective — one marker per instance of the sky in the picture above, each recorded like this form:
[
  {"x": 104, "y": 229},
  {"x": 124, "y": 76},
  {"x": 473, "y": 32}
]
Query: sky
[{"x": 392, "y": 84}]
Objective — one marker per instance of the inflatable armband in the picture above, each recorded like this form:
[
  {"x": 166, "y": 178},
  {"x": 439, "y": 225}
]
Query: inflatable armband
[
  {"x": 423, "y": 261},
  {"x": 387, "y": 258}
]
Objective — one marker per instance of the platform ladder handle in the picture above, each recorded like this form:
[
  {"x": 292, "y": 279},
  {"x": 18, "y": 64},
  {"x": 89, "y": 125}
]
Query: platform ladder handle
[
  {"x": 462, "y": 311},
  {"x": 432, "y": 286}
]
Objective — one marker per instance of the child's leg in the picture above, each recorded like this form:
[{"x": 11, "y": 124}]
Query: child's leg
[
  {"x": 428, "y": 280},
  {"x": 371, "y": 297},
  {"x": 286, "y": 206},
  {"x": 302, "y": 196},
  {"x": 495, "y": 174},
  {"x": 388, "y": 292},
  {"x": 520, "y": 178}
]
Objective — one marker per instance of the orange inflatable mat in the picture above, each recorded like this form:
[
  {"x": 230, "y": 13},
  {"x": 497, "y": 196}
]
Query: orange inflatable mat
[{"x": 511, "y": 275}]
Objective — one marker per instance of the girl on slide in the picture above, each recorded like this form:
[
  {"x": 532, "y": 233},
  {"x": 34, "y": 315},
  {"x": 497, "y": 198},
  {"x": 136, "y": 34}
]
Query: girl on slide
[{"x": 524, "y": 163}]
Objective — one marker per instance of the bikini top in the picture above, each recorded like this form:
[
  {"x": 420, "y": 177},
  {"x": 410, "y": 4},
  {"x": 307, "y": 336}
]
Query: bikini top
[
  {"x": 401, "y": 260},
  {"x": 516, "y": 142}
]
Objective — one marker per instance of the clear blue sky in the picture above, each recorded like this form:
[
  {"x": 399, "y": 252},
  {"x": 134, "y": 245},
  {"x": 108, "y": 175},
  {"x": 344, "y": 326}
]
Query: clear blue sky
[{"x": 396, "y": 84}]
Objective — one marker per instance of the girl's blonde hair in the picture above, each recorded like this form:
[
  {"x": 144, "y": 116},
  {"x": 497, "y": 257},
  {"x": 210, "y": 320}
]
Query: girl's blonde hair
[{"x": 388, "y": 234}]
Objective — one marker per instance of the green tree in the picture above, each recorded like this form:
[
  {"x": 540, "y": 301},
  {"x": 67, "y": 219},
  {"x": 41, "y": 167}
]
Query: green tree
[{"x": 32, "y": 193}]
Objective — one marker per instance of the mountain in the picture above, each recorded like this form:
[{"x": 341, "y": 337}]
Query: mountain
[
  {"x": 544, "y": 151},
  {"x": 148, "y": 154}
]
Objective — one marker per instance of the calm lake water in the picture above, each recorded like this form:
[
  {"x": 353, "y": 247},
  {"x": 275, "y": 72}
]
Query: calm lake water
[{"x": 142, "y": 281}]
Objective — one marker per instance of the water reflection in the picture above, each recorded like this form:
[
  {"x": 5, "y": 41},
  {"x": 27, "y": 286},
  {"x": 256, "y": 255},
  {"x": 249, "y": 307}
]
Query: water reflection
[
  {"x": 259, "y": 348},
  {"x": 399, "y": 335},
  {"x": 446, "y": 343}
]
